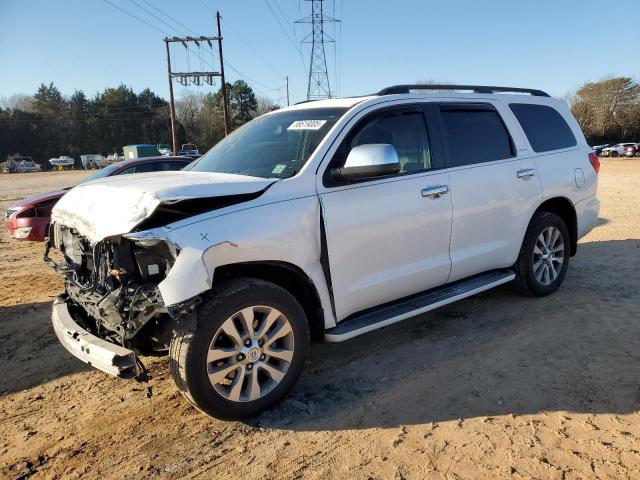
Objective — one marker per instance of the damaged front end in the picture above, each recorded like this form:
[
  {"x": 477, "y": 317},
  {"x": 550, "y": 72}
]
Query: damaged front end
[{"x": 111, "y": 292}]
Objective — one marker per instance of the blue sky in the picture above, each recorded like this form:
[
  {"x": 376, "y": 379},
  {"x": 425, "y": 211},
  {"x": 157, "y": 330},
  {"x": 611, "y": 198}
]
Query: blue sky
[{"x": 553, "y": 45}]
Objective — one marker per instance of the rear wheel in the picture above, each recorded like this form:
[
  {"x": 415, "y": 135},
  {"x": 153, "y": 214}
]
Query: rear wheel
[
  {"x": 247, "y": 350},
  {"x": 614, "y": 154},
  {"x": 544, "y": 255}
]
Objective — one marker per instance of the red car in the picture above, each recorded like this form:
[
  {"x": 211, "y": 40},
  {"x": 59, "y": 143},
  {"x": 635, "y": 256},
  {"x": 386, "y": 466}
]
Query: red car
[
  {"x": 28, "y": 219},
  {"x": 633, "y": 150}
]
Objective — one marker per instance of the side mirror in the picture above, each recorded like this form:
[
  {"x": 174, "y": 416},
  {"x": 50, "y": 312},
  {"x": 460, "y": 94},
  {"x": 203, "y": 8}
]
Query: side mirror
[{"x": 365, "y": 161}]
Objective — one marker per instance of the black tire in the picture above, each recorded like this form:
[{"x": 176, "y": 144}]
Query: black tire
[
  {"x": 189, "y": 347},
  {"x": 614, "y": 154},
  {"x": 526, "y": 279}
]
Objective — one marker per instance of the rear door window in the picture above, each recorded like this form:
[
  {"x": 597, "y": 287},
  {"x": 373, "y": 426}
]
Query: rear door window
[
  {"x": 475, "y": 133},
  {"x": 141, "y": 168},
  {"x": 171, "y": 166},
  {"x": 544, "y": 127}
]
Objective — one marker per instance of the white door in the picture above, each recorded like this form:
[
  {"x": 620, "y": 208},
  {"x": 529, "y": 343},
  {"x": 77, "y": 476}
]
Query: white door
[
  {"x": 385, "y": 239},
  {"x": 493, "y": 192}
]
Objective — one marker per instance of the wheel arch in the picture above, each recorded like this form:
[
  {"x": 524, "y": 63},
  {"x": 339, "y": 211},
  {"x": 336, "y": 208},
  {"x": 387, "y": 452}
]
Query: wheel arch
[
  {"x": 563, "y": 207},
  {"x": 288, "y": 276}
]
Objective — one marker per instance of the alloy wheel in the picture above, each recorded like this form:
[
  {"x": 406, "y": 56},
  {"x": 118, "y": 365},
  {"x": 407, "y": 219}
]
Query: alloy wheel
[
  {"x": 548, "y": 255},
  {"x": 250, "y": 353}
]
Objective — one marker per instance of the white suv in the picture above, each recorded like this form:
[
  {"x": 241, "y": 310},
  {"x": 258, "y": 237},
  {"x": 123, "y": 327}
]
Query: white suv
[{"x": 327, "y": 219}]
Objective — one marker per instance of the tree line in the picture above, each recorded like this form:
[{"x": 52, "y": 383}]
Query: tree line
[
  {"x": 608, "y": 111},
  {"x": 48, "y": 124}
]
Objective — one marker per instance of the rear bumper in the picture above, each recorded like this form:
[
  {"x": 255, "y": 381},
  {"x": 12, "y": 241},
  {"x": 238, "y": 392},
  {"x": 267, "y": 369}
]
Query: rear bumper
[
  {"x": 108, "y": 357},
  {"x": 587, "y": 212}
]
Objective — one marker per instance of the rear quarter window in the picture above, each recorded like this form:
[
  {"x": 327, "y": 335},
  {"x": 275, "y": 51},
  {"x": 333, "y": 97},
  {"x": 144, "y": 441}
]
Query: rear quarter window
[{"x": 544, "y": 127}]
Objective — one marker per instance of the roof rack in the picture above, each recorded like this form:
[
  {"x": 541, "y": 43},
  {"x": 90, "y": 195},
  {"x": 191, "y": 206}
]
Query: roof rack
[{"x": 396, "y": 89}]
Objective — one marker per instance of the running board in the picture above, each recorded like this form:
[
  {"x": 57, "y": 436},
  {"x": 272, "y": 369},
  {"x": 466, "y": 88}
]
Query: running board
[{"x": 397, "y": 311}]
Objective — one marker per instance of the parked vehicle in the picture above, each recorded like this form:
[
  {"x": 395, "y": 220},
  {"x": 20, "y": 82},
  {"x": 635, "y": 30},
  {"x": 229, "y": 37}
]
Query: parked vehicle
[
  {"x": 327, "y": 219},
  {"x": 616, "y": 150},
  {"x": 9, "y": 166},
  {"x": 29, "y": 218},
  {"x": 92, "y": 161},
  {"x": 20, "y": 165},
  {"x": 632, "y": 151},
  {"x": 164, "y": 149},
  {"x": 189, "y": 150},
  {"x": 114, "y": 157},
  {"x": 140, "y": 151},
  {"x": 598, "y": 148},
  {"x": 62, "y": 161}
]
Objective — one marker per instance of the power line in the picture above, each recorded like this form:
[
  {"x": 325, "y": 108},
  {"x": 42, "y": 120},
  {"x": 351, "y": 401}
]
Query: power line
[
  {"x": 251, "y": 80},
  {"x": 149, "y": 24},
  {"x": 241, "y": 74},
  {"x": 293, "y": 42},
  {"x": 154, "y": 15},
  {"x": 205, "y": 5},
  {"x": 136, "y": 17},
  {"x": 284, "y": 17},
  {"x": 197, "y": 53},
  {"x": 255, "y": 52},
  {"x": 169, "y": 16}
]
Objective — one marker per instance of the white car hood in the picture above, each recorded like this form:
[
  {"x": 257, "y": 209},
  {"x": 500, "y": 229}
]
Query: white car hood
[{"x": 115, "y": 205}]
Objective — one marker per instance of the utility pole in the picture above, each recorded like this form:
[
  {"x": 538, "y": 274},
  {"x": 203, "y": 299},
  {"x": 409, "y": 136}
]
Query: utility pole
[
  {"x": 318, "y": 86},
  {"x": 225, "y": 101},
  {"x": 196, "y": 78},
  {"x": 287, "y": 79},
  {"x": 172, "y": 106}
]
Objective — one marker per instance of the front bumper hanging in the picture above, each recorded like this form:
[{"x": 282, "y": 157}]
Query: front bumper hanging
[{"x": 108, "y": 357}]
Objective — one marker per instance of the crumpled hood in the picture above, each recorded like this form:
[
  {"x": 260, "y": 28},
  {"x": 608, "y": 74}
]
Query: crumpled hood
[{"x": 115, "y": 205}]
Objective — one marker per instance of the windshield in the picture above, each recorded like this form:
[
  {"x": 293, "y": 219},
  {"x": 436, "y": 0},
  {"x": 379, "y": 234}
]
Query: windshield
[
  {"x": 105, "y": 172},
  {"x": 272, "y": 146}
]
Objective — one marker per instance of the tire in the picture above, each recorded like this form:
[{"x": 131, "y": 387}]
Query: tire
[
  {"x": 529, "y": 278},
  {"x": 614, "y": 154},
  {"x": 220, "y": 329}
]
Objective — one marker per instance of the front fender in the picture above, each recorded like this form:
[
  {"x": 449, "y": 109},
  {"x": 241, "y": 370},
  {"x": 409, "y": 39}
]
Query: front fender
[{"x": 287, "y": 231}]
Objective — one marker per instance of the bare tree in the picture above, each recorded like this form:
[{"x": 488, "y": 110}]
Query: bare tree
[
  {"x": 265, "y": 105},
  {"x": 608, "y": 109},
  {"x": 18, "y": 101}
]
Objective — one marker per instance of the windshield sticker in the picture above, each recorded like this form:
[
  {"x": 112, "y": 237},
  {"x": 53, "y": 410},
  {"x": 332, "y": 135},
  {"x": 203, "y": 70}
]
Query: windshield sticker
[
  {"x": 278, "y": 169},
  {"x": 307, "y": 125}
]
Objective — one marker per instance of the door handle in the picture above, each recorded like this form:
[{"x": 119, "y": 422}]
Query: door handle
[
  {"x": 435, "y": 191},
  {"x": 526, "y": 173}
]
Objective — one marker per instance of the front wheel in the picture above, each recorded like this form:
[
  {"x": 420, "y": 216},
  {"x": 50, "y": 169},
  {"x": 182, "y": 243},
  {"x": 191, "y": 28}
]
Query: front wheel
[
  {"x": 246, "y": 351},
  {"x": 544, "y": 256}
]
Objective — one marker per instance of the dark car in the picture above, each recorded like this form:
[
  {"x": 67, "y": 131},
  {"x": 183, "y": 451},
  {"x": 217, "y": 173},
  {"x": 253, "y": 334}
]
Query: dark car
[
  {"x": 598, "y": 148},
  {"x": 28, "y": 219}
]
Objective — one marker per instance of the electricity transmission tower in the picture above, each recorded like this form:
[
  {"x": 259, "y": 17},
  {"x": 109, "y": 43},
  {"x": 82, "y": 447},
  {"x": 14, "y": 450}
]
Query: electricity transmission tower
[{"x": 318, "y": 86}]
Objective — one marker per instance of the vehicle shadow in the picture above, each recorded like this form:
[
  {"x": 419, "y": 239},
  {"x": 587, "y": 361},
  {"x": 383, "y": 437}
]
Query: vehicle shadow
[
  {"x": 494, "y": 354},
  {"x": 30, "y": 354}
]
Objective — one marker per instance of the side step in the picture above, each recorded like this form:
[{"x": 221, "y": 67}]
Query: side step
[{"x": 399, "y": 310}]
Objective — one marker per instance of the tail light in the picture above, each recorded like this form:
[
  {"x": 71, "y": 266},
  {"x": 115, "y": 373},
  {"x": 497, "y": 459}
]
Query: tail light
[{"x": 595, "y": 162}]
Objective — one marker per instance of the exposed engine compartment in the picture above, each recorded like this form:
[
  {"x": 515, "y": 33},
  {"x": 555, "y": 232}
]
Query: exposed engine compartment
[{"x": 113, "y": 285}]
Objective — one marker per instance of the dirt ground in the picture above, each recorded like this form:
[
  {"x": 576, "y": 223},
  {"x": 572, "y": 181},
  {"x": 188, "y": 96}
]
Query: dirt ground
[{"x": 496, "y": 386}]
